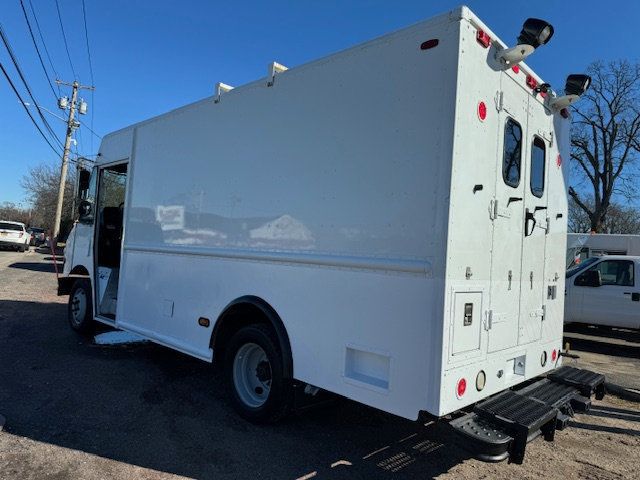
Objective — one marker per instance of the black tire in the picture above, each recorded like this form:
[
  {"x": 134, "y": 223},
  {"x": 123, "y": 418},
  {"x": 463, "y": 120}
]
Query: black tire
[
  {"x": 21, "y": 248},
  {"x": 280, "y": 397},
  {"x": 81, "y": 321}
]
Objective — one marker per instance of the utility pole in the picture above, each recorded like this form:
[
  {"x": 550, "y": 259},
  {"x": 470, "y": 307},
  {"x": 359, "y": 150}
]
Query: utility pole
[{"x": 71, "y": 126}]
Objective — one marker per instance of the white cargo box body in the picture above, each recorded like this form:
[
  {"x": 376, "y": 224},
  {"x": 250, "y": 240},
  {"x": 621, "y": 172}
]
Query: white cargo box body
[{"x": 361, "y": 196}]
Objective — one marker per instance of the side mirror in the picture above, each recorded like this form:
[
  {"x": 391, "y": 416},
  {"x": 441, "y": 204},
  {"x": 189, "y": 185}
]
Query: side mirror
[
  {"x": 85, "y": 209},
  {"x": 84, "y": 178},
  {"x": 590, "y": 278}
]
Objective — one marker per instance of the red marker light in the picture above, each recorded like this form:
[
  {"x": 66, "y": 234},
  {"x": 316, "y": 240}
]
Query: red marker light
[
  {"x": 531, "y": 82},
  {"x": 559, "y": 161},
  {"x": 554, "y": 355},
  {"x": 482, "y": 111},
  {"x": 461, "y": 387},
  {"x": 483, "y": 38},
  {"x": 516, "y": 69},
  {"x": 429, "y": 44}
]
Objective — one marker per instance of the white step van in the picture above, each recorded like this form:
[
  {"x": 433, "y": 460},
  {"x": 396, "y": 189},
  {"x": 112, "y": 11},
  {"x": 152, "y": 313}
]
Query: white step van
[{"x": 387, "y": 223}]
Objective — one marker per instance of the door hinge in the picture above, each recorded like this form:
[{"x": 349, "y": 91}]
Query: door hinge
[
  {"x": 499, "y": 100},
  {"x": 538, "y": 313},
  {"x": 496, "y": 211},
  {"x": 488, "y": 320}
]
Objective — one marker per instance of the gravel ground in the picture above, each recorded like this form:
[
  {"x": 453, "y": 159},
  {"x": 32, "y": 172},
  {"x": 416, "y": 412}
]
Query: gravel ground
[{"x": 78, "y": 411}]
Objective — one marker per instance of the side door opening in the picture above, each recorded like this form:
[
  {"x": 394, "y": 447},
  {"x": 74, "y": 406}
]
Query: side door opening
[{"x": 112, "y": 183}]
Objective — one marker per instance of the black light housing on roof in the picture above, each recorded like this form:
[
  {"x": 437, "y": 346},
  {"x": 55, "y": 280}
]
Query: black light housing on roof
[
  {"x": 577, "y": 84},
  {"x": 535, "y": 32}
]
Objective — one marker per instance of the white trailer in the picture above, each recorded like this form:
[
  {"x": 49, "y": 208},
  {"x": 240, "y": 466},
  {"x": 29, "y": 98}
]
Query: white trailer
[
  {"x": 386, "y": 223},
  {"x": 581, "y": 246}
]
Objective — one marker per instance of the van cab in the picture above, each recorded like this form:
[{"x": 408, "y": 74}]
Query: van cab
[{"x": 604, "y": 291}]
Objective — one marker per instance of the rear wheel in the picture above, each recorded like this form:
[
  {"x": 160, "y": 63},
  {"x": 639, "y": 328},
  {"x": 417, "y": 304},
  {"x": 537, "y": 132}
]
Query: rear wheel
[
  {"x": 80, "y": 309},
  {"x": 254, "y": 372},
  {"x": 21, "y": 248}
]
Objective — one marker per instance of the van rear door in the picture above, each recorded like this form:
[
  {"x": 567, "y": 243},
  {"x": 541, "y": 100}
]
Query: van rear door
[
  {"x": 536, "y": 148},
  {"x": 507, "y": 212}
]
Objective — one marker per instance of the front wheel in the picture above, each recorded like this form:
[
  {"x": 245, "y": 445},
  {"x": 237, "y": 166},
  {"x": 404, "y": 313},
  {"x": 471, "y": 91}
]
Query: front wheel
[
  {"x": 254, "y": 372},
  {"x": 80, "y": 309}
]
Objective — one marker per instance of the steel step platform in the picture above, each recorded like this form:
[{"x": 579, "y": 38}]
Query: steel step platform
[{"x": 501, "y": 426}]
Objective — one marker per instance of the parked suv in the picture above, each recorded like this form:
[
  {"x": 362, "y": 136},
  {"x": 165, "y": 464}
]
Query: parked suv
[
  {"x": 604, "y": 291},
  {"x": 14, "y": 235},
  {"x": 37, "y": 236}
]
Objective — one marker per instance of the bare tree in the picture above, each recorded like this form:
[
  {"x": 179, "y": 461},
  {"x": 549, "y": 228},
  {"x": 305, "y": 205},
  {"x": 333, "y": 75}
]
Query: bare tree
[
  {"x": 606, "y": 138},
  {"x": 41, "y": 188},
  {"x": 11, "y": 211},
  {"x": 619, "y": 219}
]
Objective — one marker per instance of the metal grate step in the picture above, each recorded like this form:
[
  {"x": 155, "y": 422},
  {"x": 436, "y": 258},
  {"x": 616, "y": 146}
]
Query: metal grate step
[
  {"x": 586, "y": 381},
  {"x": 502, "y": 425},
  {"x": 512, "y": 407}
]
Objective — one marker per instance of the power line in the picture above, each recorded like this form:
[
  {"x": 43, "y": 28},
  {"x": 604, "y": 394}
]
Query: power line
[
  {"x": 44, "y": 44},
  {"x": 33, "y": 39},
  {"x": 64, "y": 37},
  {"x": 15, "y": 90},
  {"x": 7, "y": 45},
  {"x": 90, "y": 129},
  {"x": 86, "y": 36}
]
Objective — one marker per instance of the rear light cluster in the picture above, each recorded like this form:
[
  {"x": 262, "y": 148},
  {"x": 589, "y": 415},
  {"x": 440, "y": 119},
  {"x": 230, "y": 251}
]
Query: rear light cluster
[
  {"x": 554, "y": 355},
  {"x": 531, "y": 82},
  {"x": 461, "y": 387},
  {"x": 483, "y": 38},
  {"x": 482, "y": 111}
]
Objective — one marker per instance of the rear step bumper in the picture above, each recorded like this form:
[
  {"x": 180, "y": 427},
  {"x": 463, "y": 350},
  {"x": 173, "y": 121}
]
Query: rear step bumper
[{"x": 501, "y": 426}]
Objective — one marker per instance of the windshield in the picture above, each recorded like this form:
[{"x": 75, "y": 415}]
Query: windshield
[
  {"x": 584, "y": 264},
  {"x": 10, "y": 226}
]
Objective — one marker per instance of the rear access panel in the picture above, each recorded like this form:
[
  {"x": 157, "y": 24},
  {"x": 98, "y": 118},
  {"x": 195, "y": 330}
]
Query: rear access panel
[{"x": 466, "y": 323}]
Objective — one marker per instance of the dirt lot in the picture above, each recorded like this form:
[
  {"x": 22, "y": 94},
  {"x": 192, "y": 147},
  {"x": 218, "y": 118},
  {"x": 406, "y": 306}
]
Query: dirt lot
[{"x": 78, "y": 411}]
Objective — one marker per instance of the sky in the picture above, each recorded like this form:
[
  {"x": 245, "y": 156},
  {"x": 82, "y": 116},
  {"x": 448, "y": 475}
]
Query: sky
[{"x": 149, "y": 57}]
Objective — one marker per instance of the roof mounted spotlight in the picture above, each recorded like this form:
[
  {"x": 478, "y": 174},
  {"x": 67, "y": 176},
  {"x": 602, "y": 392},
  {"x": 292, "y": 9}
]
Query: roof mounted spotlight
[
  {"x": 575, "y": 86},
  {"x": 535, "y": 32}
]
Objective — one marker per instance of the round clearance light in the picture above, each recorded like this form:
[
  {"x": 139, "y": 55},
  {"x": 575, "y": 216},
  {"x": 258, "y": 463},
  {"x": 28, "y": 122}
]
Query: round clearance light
[
  {"x": 554, "y": 355},
  {"x": 461, "y": 387},
  {"x": 481, "y": 380},
  {"x": 482, "y": 111},
  {"x": 543, "y": 358}
]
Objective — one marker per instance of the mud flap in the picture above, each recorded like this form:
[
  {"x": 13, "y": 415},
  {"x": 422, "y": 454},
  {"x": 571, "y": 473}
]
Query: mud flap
[{"x": 502, "y": 425}]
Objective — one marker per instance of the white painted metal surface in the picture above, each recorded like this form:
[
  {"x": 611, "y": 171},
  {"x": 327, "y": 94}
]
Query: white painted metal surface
[{"x": 374, "y": 221}]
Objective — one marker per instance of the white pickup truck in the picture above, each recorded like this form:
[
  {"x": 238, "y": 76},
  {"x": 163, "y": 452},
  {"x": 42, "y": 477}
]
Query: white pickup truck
[{"x": 604, "y": 291}]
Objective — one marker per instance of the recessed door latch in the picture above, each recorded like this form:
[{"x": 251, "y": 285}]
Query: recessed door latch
[{"x": 468, "y": 314}]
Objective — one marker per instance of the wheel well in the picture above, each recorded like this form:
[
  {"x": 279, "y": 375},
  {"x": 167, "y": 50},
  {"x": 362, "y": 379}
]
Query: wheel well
[
  {"x": 65, "y": 283},
  {"x": 245, "y": 311},
  {"x": 79, "y": 270}
]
